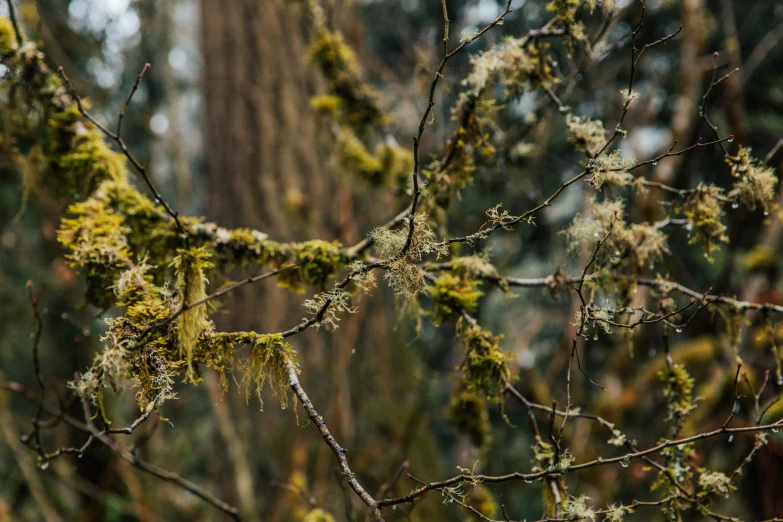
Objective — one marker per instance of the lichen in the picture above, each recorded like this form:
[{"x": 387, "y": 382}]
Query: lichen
[
  {"x": 756, "y": 185},
  {"x": 191, "y": 266},
  {"x": 403, "y": 274},
  {"x": 703, "y": 209},
  {"x": 267, "y": 362},
  {"x": 714, "y": 482},
  {"x": 518, "y": 67},
  {"x": 637, "y": 245},
  {"x": 576, "y": 509},
  {"x": 611, "y": 169},
  {"x": 616, "y": 513},
  {"x": 587, "y": 135}
]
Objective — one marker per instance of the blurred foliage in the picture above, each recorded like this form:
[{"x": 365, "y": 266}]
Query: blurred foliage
[{"x": 487, "y": 142}]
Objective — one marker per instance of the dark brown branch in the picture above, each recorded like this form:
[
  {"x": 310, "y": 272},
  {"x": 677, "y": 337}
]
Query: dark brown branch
[
  {"x": 338, "y": 451},
  {"x": 37, "y": 369}
]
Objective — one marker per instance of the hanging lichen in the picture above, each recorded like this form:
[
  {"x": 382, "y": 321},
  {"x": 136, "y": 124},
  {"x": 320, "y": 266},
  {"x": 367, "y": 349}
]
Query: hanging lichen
[
  {"x": 192, "y": 282},
  {"x": 703, "y": 209},
  {"x": 267, "y": 362}
]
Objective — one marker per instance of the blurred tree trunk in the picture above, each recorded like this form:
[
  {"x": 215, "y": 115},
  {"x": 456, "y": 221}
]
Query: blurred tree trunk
[{"x": 265, "y": 160}]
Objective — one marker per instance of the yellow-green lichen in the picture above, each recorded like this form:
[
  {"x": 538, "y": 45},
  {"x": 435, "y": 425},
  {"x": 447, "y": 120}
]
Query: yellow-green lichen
[
  {"x": 192, "y": 282},
  {"x": 267, "y": 362},
  {"x": 703, "y": 209}
]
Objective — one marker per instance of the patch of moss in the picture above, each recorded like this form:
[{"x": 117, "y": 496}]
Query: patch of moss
[
  {"x": 8, "y": 42},
  {"x": 485, "y": 366},
  {"x": 94, "y": 238},
  {"x": 453, "y": 294},
  {"x": 469, "y": 413}
]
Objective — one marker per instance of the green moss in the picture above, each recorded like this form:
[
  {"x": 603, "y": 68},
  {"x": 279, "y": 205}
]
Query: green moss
[
  {"x": 318, "y": 515},
  {"x": 678, "y": 393},
  {"x": 8, "y": 42},
  {"x": 469, "y": 413},
  {"x": 759, "y": 258},
  {"x": 385, "y": 167},
  {"x": 95, "y": 242},
  {"x": 481, "y": 499},
  {"x": 358, "y": 101},
  {"x": 565, "y": 9},
  {"x": 320, "y": 260},
  {"x": 355, "y": 156},
  {"x": 330, "y": 51},
  {"x": 485, "y": 366},
  {"x": 451, "y": 295},
  {"x": 326, "y": 104}
]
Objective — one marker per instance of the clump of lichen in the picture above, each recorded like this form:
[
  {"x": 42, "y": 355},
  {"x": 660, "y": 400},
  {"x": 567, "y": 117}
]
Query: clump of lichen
[
  {"x": 637, "y": 245},
  {"x": 268, "y": 361},
  {"x": 477, "y": 265},
  {"x": 469, "y": 413},
  {"x": 577, "y": 509},
  {"x": 401, "y": 250},
  {"x": 714, "y": 482},
  {"x": 518, "y": 67},
  {"x": 756, "y": 184},
  {"x": 327, "y": 305},
  {"x": 616, "y": 513},
  {"x": 587, "y": 135},
  {"x": 611, "y": 169},
  {"x": 703, "y": 209}
]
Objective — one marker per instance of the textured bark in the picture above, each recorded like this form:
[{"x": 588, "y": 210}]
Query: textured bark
[
  {"x": 690, "y": 77},
  {"x": 265, "y": 163}
]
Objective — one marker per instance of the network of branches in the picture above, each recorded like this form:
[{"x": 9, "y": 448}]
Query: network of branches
[{"x": 160, "y": 272}]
